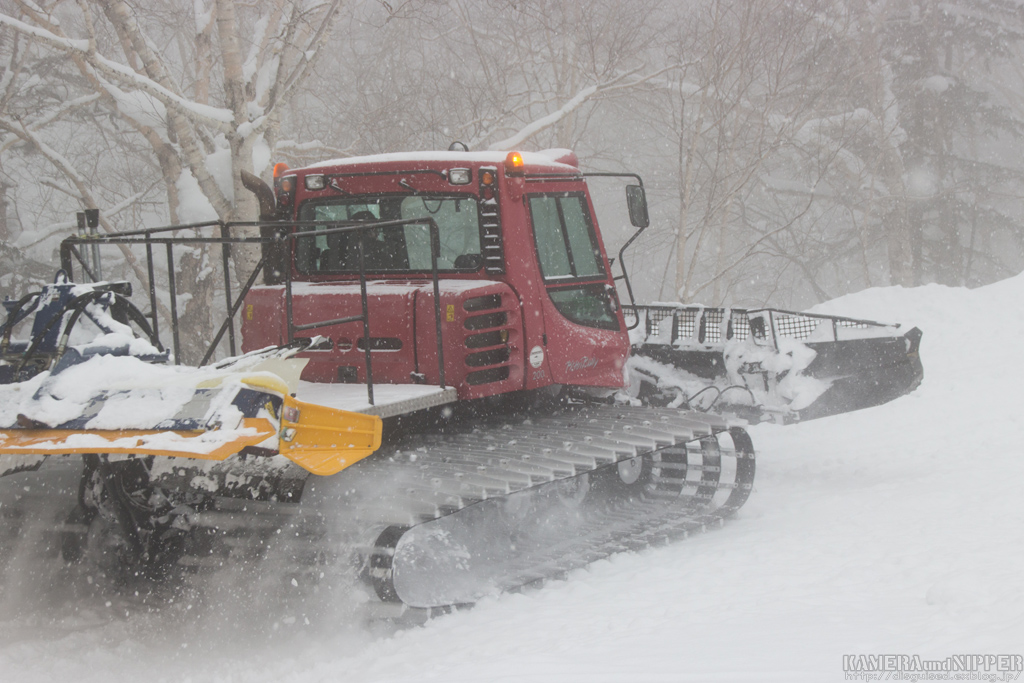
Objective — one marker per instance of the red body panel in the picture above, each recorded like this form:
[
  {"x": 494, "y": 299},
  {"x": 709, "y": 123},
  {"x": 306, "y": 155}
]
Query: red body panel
[
  {"x": 491, "y": 322},
  {"x": 479, "y": 344}
]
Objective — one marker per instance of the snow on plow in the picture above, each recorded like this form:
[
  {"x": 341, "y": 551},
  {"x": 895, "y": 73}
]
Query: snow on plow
[
  {"x": 109, "y": 396},
  {"x": 253, "y": 415}
]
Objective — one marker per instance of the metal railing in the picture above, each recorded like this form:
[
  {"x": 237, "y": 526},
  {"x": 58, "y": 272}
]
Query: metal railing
[
  {"x": 710, "y": 326},
  {"x": 283, "y": 235}
]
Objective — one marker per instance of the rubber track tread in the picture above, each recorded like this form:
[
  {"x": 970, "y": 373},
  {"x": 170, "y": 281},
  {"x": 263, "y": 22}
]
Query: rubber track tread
[{"x": 676, "y": 500}]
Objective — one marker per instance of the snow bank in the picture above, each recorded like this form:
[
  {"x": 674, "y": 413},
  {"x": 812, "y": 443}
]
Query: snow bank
[{"x": 892, "y": 530}]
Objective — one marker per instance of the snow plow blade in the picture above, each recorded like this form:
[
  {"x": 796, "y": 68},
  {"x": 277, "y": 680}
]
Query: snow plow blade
[
  {"x": 253, "y": 415},
  {"x": 118, "y": 394},
  {"x": 864, "y": 372},
  {"x": 770, "y": 364}
]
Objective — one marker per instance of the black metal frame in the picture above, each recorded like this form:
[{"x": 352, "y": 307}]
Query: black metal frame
[
  {"x": 283, "y": 232},
  {"x": 538, "y": 177},
  {"x": 622, "y": 262}
]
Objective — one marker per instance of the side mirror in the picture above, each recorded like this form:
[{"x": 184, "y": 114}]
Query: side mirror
[{"x": 636, "y": 200}]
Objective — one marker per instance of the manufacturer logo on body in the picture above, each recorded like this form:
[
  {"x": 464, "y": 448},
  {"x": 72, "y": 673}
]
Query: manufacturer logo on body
[{"x": 584, "y": 363}]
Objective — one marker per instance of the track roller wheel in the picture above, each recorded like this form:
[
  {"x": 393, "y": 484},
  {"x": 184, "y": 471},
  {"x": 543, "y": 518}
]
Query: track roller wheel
[
  {"x": 633, "y": 470},
  {"x": 380, "y": 567},
  {"x": 626, "y": 480}
]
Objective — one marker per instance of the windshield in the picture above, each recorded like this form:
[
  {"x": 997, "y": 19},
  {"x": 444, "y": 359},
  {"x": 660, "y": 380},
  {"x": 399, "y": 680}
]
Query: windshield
[{"x": 394, "y": 248}]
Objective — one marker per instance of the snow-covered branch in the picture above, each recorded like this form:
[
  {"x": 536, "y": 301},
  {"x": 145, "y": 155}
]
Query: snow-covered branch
[
  {"x": 213, "y": 116},
  {"x": 544, "y": 122},
  {"x": 79, "y": 181}
]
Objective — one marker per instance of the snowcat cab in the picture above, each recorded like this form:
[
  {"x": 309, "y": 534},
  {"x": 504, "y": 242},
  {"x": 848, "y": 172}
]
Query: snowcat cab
[{"x": 527, "y": 298}]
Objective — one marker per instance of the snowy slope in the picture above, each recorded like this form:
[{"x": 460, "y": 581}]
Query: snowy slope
[{"x": 897, "y": 529}]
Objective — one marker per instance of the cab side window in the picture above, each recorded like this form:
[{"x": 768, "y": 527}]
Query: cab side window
[
  {"x": 566, "y": 244},
  {"x": 570, "y": 260}
]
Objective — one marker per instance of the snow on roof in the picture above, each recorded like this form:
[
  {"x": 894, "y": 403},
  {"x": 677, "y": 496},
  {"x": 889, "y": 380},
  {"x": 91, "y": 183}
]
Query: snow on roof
[{"x": 546, "y": 159}]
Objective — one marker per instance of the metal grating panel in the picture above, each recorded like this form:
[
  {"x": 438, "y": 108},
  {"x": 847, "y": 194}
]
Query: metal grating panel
[
  {"x": 724, "y": 324},
  {"x": 686, "y": 323},
  {"x": 740, "y": 325},
  {"x": 687, "y": 320},
  {"x": 713, "y": 325},
  {"x": 654, "y": 318},
  {"x": 795, "y": 326}
]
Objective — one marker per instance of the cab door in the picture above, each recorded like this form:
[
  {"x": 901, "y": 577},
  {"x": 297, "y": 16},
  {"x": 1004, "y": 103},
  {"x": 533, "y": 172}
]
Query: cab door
[{"x": 587, "y": 344}]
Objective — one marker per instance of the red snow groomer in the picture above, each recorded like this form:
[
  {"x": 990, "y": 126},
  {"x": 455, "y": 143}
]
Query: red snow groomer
[{"x": 466, "y": 299}]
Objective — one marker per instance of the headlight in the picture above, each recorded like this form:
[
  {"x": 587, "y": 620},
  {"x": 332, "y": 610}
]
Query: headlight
[{"x": 459, "y": 176}]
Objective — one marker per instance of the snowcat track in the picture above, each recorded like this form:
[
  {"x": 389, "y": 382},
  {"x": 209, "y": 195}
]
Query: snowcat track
[
  {"x": 552, "y": 499},
  {"x": 444, "y": 520}
]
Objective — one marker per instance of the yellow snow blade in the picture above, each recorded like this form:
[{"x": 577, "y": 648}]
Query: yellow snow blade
[
  {"x": 322, "y": 440},
  {"x": 326, "y": 440},
  {"x": 319, "y": 439},
  {"x": 267, "y": 382},
  {"x": 199, "y": 444}
]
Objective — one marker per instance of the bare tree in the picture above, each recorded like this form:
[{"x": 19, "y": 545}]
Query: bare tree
[
  {"x": 741, "y": 118},
  {"x": 200, "y": 85}
]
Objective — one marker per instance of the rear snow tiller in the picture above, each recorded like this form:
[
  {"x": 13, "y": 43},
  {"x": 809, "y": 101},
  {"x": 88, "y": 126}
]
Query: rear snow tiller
[{"x": 770, "y": 363}]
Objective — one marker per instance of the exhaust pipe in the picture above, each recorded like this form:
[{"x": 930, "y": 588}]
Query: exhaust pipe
[{"x": 275, "y": 255}]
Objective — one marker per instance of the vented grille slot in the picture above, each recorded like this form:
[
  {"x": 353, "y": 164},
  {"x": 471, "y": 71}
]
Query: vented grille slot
[
  {"x": 494, "y": 343},
  {"x": 491, "y": 243},
  {"x": 487, "y": 376},
  {"x": 482, "y": 303},
  {"x": 483, "y": 322},
  {"x": 479, "y": 341},
  {"x": 492, "y": 357}
]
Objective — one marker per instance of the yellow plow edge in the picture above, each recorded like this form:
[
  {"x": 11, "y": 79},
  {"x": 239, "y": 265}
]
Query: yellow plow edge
[
  {"x": 322, "y": 440},
  {"x": 327, "y": 440}
]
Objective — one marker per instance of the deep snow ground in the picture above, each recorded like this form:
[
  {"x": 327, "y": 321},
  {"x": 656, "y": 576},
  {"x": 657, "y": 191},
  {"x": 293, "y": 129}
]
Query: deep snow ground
[{"x": 895, "y": 530}]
